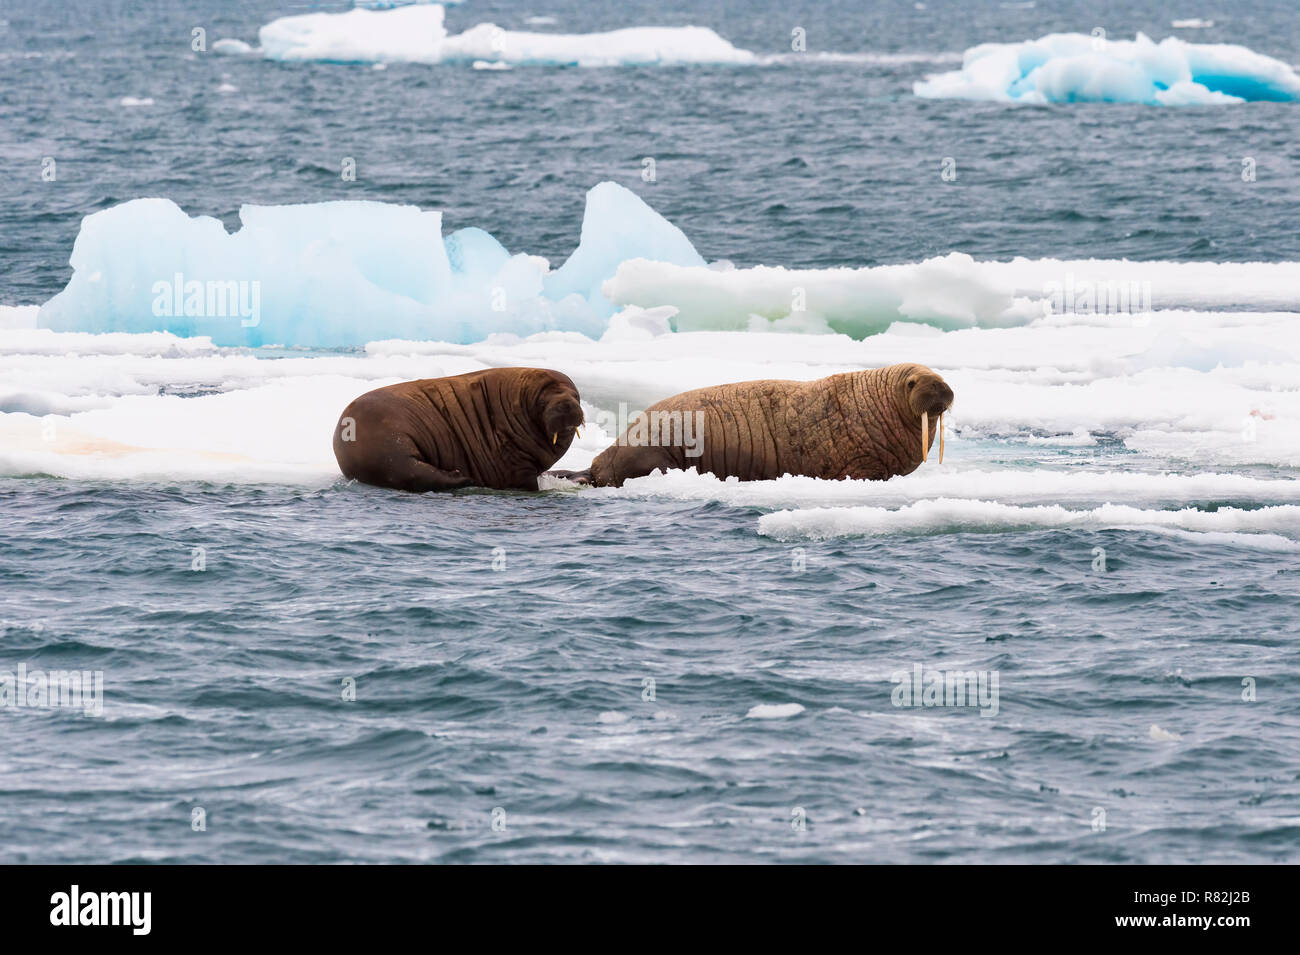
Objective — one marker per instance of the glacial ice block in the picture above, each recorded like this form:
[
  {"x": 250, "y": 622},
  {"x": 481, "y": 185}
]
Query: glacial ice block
[
  {"x": 1072, "y": 67},
  {"x": 339, "y": 274},
  {"x": 617, "y": 226}
]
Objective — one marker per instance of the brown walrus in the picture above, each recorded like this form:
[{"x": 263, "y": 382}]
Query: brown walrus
[
  {"x": 498, "y": 428},
  {"x": 868, "y": 425}
]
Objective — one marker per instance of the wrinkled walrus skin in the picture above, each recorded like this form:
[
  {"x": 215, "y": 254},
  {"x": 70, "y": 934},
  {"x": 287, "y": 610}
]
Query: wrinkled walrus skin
[
  {"x": 862, "y": 424},
  {"x": 498, "y": 428}
]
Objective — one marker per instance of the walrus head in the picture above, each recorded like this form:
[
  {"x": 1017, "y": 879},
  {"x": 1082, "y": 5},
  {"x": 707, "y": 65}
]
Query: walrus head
[
  {"x": 559, "y": 413},
  {"x": 928, "y": 396}
]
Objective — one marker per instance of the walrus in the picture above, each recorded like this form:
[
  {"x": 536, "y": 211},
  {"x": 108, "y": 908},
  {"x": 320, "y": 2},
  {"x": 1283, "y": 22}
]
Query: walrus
[
  {"x": 499, "y": 428},
  {"x": 869, "y": 425}
]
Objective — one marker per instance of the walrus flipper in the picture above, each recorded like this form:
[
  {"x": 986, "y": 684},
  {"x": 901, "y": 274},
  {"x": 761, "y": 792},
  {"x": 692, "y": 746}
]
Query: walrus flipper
[
  {"x": 577, "y": 477},
  {"x": 420, "y": 476}
]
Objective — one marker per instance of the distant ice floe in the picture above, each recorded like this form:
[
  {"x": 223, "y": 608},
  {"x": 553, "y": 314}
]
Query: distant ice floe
[
  {"x": 774, "y": 711},
  {"x": 230, "y": 47},
  {"x": 416, "y": 34},
  {"x": 1073, "y": 67}
]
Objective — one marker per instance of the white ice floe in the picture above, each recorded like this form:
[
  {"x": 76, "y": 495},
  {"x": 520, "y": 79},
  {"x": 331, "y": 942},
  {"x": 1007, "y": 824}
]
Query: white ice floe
[
  {"x": 950, "y": 292},
  {"x": 347, "y": 273},
  {"x": 1275, "y": 527},
  {"x": 1073, "y": 67},
  {"x": 1184, "y": 389},
  {"x": 416, "y": 34},
  {"x": 1022, "y": 485},
  {"x": 232, "y": 47},
  {"x": 774, "y": 711}
]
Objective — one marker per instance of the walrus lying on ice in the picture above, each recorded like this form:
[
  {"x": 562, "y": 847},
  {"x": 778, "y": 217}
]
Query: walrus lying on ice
[
  {"x": 864, "y": 424},
  {"x": 498, "y": 428}
]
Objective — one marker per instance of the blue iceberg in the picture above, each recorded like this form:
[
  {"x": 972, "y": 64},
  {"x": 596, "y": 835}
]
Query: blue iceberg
[
  {"x": 1074, "y": 68},
  {"x": 339, "y": 274}
]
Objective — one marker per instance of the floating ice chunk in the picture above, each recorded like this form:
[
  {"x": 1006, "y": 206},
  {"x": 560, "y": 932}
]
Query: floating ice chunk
[
  {"x": 1072, "y": 67},
  {"x": 416, "y": 34},
  {"x": 232, "y": 47},
  {"x": 616, "y": 226},
  {"x": 412, "y": 34},
  {"x": 633, "y": 46},
  {"x": 1192, "y": 23},
  {"x": 774, "y": 711},
  {"x": 1272, "y": 528},
  {"x": 337, "y": 274},
  {"x": 136, "y": 101},
  {"x": 1162, "y": 735},
  {"x": 950, "y": 292}
]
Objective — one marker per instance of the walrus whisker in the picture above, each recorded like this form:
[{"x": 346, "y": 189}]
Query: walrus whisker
[{"x": 925, "y": 436}]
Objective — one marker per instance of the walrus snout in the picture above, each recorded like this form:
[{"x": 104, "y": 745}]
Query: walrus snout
[
  {"x": 562, "y": 417},
  {"x": 928, "y": 393},
  {"x": 929, "y": 397}
]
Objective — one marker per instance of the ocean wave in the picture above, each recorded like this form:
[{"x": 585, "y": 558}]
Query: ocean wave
[{"x": 1073, "y": 67}]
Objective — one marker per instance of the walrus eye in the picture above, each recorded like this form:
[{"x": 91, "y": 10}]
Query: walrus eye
[{"x": 911, "y": 385}]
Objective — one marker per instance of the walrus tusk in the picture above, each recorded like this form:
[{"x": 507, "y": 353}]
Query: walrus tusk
[
  {"x": 555, "y": 437},
  {"x": 941, "y": 439},
  {"x": 578, "y": 432},
  {"x": 925, "y": 436}
]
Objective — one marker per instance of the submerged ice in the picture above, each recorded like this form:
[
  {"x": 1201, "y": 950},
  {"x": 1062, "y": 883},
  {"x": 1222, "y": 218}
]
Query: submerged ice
[{"x": 1073, "y": 67}]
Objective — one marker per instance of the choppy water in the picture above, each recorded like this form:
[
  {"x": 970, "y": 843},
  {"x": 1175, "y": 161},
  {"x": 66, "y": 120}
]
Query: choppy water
[{"x": 501, "y": 644}]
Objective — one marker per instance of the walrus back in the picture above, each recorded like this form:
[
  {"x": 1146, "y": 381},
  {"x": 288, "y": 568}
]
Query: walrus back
[{"x": 751, "y": 430}]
